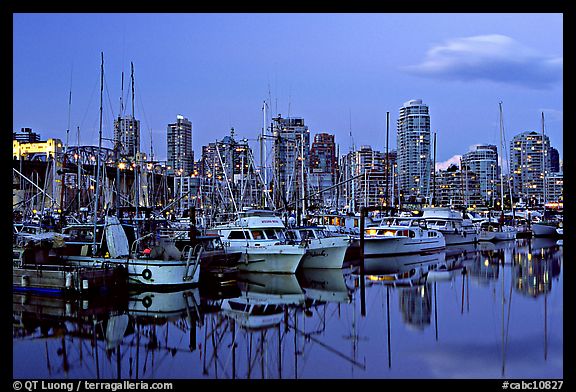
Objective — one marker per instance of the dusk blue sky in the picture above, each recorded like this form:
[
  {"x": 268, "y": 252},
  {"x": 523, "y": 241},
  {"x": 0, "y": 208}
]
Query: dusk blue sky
[{"x": 340, "y": 72}]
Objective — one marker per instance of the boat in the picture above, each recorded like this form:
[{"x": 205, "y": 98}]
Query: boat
[
  {"x": 260, "y": 236},
  {"x": 159, "y": 264},
  {"x": 453, "y": 226},
  {"x": 496, "y": 231},
  {"x": 323, "y": 249},
  {"x": 400, "y": 235},
  {"x": 546, "y": 228}
]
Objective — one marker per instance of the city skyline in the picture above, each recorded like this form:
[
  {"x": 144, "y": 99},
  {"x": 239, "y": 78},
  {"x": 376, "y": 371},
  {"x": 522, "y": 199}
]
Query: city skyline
[{"x": 326, "y": 69}]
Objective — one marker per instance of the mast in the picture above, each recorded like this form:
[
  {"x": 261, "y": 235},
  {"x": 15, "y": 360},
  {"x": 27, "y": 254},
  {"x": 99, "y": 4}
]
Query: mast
[
  {"x": 501, "y": 163},
  {"x": 544, "y": 166},
  {"x": 134, "y": 152},
  {"x": 386, "y": 162},
  {"x": 263, "y": 153},
  {"x": 97, "y": 187},
  {"x": 434, "y": 172}
]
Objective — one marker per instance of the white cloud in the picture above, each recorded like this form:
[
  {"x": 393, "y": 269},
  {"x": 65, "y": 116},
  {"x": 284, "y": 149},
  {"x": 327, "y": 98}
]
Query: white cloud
[
  {"x": 494, "y": 57},
  {"x": 453, "y": 160}
]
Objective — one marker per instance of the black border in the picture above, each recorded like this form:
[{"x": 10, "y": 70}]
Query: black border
[{"x": 9, "y": 7}]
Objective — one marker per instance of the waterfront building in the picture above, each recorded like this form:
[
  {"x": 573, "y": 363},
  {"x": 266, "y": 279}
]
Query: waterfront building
[
  {"x": 228, "y": 164},
  {"x": 529, "y": 164},
  {"x": 555, "y": 187},
  {"x": 414, "y": 158},
  {"x": 323, "y": 168},
  {"x": 291, "y": 152},
  {"x": 36, "y": 150},
  {"x": 186, "y": 189},
  {"x": 369, "y": 186},
  {"x": 458, "y": 188},
  {"x": 26, "y": 136},
  {"x": 127, "y": 136},
  {"x": 179, "y": 143},
  {"x": 483, "y": 161}
]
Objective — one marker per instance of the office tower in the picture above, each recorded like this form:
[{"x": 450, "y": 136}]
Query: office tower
[
  {"x": 291, "y": 151},
  {"x": 26, "y": 136},
  {"x": 323, "y": 167},
  {"x": 413, "y": 140},
  {"x": 179, "y": 143}
]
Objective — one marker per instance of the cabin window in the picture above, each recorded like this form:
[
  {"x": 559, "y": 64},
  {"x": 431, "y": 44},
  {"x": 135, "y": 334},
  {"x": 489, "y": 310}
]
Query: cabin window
[
  {"x": 310, "y": 234},
  {"x": 411, "y": 234},
  {"x": 257, "y": 234},
  {"x": 291, "y": 235},
  {"x": 237, "y": 235},
  {"x": 271, "y": 234},
  {"x": 321, "y": 234}
]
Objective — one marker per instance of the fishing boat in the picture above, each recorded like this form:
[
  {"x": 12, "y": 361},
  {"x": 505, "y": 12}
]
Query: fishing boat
[
  {"x": 159, "y": 263},
  {"x": 400, "y": 235},
  {"x": 323, "y": 249},
  {"x": 453, "y": 226},
  {"x": 260, "y": 236}
]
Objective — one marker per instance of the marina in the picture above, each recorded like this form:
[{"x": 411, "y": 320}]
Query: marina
[{"x": 242, "y": 198}]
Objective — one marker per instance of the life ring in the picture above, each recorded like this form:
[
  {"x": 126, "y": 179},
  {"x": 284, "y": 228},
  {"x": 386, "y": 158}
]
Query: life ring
[
  {"x": 147, "y": 274},
  {"x": 147, "y": 301}
]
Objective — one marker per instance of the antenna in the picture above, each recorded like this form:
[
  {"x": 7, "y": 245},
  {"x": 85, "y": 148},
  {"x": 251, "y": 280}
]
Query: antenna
[
  {"x": 352, "y": 146},
  {"x": 69, "y": 108}
]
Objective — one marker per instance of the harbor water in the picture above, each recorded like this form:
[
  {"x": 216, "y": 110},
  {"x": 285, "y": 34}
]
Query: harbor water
[{"x": 475, "y": 311}]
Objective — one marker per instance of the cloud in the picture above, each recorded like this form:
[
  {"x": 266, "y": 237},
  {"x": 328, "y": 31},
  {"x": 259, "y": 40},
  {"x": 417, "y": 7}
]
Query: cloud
[
  {"x": 444, "y": 165},
  {"x": 496, "y": 58}
]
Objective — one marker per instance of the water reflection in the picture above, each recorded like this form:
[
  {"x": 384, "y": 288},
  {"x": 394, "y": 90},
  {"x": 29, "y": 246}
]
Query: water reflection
[{"x": 487, "y": 298}]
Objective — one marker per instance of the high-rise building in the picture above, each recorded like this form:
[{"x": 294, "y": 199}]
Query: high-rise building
[
  {"x": 529, "y": 159},
  {"x": 554, "y": 160},
  {"x": 483, "y": 161},
  {"x": 179, "y": 143},
  {"x": 323, "y": 166},
  {"x": 291, "y": 153},
  {"x": 127, "y": 136},
  {"x": 413, "y": 140}
]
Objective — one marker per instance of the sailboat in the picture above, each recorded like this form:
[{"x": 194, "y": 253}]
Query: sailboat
[{"x": 497, "y": 230}]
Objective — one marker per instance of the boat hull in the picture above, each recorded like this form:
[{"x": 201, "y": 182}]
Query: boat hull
[
  {"x": 452, "y": 238},
  {"x": 543, "y": 230},
  {"x": 147, "y": 272},
  {"x": 383, "y": 246},
  {"x": 326, "y": 253},
  {"x": 273, "y": 259}
]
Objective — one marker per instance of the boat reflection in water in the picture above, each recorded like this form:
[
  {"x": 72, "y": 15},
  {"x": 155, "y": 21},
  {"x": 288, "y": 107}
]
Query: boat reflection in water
[{"x": 324, "y": 285}]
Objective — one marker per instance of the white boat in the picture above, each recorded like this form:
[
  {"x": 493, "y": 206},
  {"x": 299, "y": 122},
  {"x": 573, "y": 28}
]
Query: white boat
[
  {"x": 260, "y": 236},
  {"x": 544, "y": 229},
  {"x": 323, "y": 249},
  {"x": 160, "y": 265},
  {"x": 560, "y": 231},
  {"x": 495, "y": 231},
  {"x": 399, "y": 235},
  {"x": 451, "y": 224}
]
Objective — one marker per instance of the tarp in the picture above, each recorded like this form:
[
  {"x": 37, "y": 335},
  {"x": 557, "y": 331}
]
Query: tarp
[{"x": 116, "y": 238}]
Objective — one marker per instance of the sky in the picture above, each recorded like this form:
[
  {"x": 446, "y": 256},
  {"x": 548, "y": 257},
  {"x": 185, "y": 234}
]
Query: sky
[{"x": 340, "y": 72}]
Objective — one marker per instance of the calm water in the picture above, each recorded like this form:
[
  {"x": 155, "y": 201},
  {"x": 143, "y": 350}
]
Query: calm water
[{"x": 495, "y": 312}]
